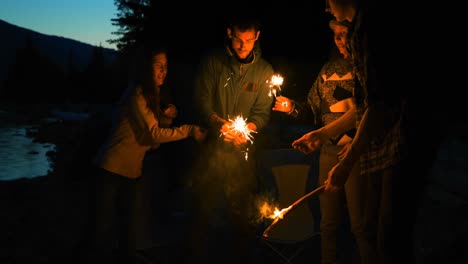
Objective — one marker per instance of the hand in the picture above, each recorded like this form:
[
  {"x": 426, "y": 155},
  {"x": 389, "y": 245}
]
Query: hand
[
  {"x": 343, "y": 151},
  {"x": 199, "y": 133},
  {"x": 337, "y": 177},
  {"x": 309, "y": 142},
  {"x": 236, "y": 138},
  {"x": 328, "y": 182},
  {"x": 283, "y": 104},
  {"x": 216, "y": 121},
  {"x": 165, "y": 121},
  {"x": 170, "y": 111}
]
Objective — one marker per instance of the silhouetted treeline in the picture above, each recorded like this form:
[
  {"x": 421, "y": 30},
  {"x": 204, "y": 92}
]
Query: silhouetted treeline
[
  {"x": 35, "y": 78},
  {"x": 295, "y": 38},
  {"x": 293, "y": 29}
]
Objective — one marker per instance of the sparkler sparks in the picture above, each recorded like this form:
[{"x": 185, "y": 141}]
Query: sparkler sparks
[
  {"x": 275, "y": 85},
  {"x": 267, "y": 211},
  {"x": 279, "y": 214},
  {"x": 239, "y": 125}
]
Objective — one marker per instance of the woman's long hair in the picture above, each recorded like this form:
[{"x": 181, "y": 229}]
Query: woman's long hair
[{"x": 143, "y": 75}]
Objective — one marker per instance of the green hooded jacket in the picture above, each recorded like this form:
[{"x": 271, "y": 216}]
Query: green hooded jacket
[{"x": 229, "y": 88}]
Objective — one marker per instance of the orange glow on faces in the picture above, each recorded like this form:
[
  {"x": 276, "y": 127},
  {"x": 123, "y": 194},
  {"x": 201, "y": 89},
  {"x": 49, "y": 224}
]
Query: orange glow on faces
[
  {"x": 243, "y": 42},
  {"x": 159, "y": 68}
]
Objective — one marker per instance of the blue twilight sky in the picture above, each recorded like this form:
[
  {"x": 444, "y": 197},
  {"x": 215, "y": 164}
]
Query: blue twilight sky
[{"x": 88, "y": 21}]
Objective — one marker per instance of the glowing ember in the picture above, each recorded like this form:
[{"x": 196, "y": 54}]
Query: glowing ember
[
  {"x": 275, "y": 85},
  {"x": 246, "y": 153}
]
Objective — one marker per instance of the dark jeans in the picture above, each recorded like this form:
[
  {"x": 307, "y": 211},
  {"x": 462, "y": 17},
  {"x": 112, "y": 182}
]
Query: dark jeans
[
  {"x": 393, "y": 200},
  {"x": 115, "y": 207},
  {"x": 390, "y": 214},
  {"x": 335, "y": 205}
]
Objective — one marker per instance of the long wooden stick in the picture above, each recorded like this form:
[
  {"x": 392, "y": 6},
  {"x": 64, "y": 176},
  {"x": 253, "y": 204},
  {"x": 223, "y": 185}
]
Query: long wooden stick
[{"x": 316, "y": 191}]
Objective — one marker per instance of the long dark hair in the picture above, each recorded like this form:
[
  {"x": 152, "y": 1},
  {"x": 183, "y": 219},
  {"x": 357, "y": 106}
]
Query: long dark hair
[{"x": 143, "y": 74}]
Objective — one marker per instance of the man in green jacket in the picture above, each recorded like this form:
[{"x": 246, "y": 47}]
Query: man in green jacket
[{"x": 231, "y": 84}]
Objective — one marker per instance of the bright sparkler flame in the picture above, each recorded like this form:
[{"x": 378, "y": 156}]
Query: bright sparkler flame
[
  {"x": 267, "y": 211},
  {"x": 279, "y": 213},
  {"x": 275, "y": 85},
  {"x": 277, "y": 79},
  {"x": 239, "y": 125}
]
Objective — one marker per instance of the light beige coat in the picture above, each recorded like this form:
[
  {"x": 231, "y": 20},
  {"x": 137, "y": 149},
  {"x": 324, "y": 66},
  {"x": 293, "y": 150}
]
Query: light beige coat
[{"x": 135, "y": 131}]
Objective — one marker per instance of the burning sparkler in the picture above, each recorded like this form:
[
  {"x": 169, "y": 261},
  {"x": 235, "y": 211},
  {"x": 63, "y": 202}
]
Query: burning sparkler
[
  {"x": 280, "y": 214},
  {"x": 267, "y": 211},
  {"x": 239, "y": 125},
  {"x": 275, "y": 85}
]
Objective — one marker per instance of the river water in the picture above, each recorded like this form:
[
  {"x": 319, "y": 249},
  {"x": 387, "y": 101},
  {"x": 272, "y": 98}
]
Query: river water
[{"x": 20, "y": 157}]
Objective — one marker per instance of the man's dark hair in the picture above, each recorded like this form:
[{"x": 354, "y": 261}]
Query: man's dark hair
[{"x": 244, "y": 22}]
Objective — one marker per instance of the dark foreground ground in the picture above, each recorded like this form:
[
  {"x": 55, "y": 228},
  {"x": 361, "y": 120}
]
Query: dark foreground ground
[{"x": 42, "y": 219}]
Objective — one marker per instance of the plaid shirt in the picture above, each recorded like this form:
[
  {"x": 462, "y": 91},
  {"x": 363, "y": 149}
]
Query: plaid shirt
[{"x": 385, "y": 151}]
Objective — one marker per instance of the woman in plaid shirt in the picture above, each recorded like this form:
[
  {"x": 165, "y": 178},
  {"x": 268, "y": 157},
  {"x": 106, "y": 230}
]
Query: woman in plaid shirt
[{"x": 379, "y": 143}]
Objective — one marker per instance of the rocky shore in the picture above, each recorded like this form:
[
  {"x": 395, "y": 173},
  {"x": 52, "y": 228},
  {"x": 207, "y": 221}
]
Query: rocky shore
[{"x": 42, "y": 218}]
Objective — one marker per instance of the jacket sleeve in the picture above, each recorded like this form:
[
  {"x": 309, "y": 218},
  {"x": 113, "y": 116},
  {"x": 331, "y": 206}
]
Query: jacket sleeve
[
  {"x": 205, "y": 89},
  {"x": 151, "y": 123},
  {"x": 261, "y": 110}
]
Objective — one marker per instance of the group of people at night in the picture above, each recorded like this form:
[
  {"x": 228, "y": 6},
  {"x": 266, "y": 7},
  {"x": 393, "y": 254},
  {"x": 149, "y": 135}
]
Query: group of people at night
[{"x": 361, "y": 122}]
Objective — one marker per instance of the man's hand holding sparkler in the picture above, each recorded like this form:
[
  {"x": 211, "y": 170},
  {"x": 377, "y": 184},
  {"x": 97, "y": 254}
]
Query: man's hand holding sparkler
[
  {"x": 216, "y": 121},
  {"x": 237, "y": 134}
]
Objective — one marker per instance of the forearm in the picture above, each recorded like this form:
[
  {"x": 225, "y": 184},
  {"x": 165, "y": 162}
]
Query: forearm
[
  {"x": 346, "y": 122},
  {"x": 164, "y": 135},
  {"x": 374, "y": 125},
  {"x": 149, "y": 121},
  {"x": 357, "y": 145}
]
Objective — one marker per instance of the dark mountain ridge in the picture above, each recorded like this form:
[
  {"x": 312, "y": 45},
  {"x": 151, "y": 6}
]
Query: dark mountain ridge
[{"x": 59, "y": 50}]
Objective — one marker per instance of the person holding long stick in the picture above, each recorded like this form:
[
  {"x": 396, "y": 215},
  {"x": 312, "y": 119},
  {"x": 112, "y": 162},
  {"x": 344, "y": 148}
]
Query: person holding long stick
[{"x": 329, "y": 98}]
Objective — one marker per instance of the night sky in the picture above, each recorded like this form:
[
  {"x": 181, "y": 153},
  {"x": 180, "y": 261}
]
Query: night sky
[{"x": 293, "y": 30}]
